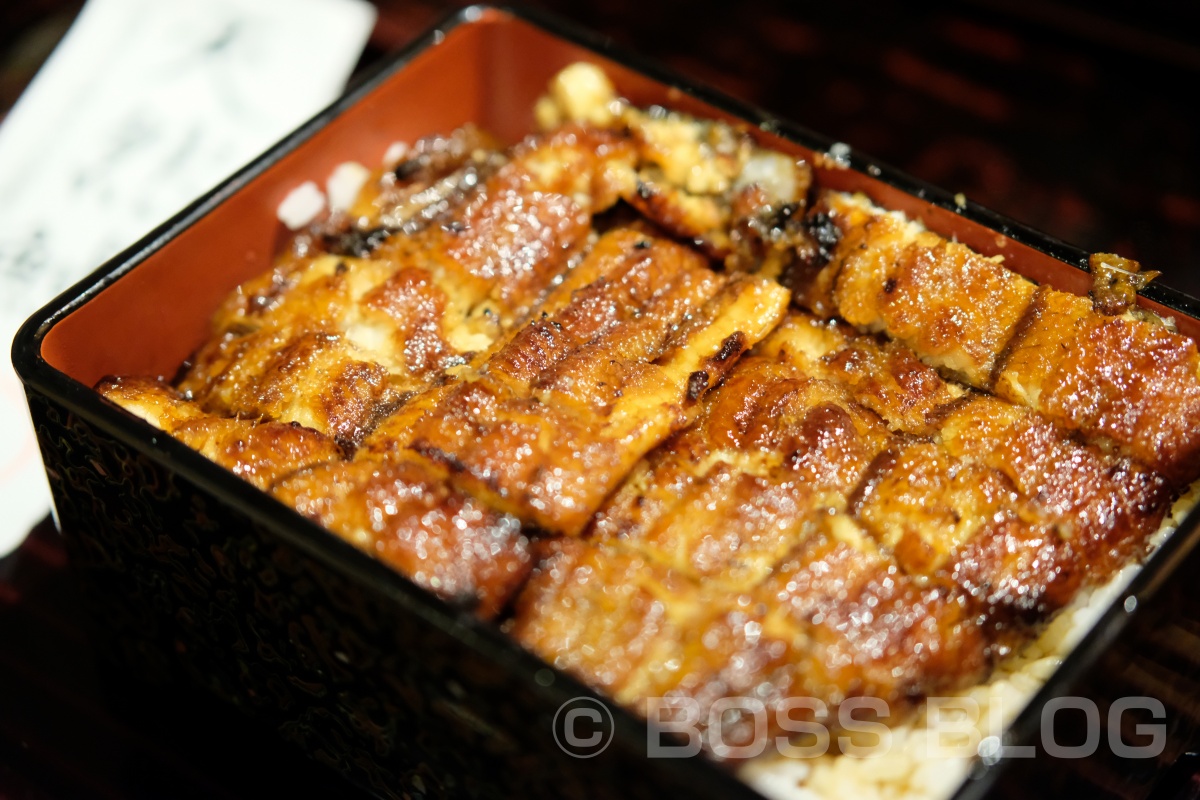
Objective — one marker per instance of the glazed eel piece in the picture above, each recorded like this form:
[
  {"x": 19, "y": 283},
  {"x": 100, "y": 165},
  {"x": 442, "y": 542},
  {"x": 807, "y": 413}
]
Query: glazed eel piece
[
  {"x": 450, "y": 544},
  {"x": 449, "y": 249},
  {"x": 814, "y": 534},
  {"x": 742, "y": 574},
  {"x": 616, "y": 358},
  {"x": 1102, "y": 505},
  {"x": 258, "y": 452},
  {"x": 1119, "y": 381}
]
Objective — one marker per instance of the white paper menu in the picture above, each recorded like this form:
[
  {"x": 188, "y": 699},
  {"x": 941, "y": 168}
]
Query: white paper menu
[{"x": 144, "y": 106}]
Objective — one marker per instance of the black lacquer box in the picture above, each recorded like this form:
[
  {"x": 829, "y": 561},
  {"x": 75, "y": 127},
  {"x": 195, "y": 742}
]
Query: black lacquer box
[{"x": 196, "y": 575}]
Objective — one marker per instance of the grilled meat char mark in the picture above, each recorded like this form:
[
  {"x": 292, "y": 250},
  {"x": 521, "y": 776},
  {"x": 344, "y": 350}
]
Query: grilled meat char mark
[
  {"x": 727, "y": 565},
  {"x": 258, "y": 452},
  {"x": 604, "y": 371},
  {"x": 840, "y": 520},
  {"x": 725, "y": 499},
  {"x": 1119, "y": 381},
  {"x": 323, "y": 330},
  {"x": 1096, "y": 508},
  {"x": 443, "y": 540},
  {"x": 407, "y": 517}
]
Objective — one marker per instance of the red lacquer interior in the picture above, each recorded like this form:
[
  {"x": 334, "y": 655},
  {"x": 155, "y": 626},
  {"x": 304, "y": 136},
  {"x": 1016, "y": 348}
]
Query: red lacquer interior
[{"x": 490, "y": 72}]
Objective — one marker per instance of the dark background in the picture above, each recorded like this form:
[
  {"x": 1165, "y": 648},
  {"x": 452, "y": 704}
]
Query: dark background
[{"x": 1079, "y": 122}]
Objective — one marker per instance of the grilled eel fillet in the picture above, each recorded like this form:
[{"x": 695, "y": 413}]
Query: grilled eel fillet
[
  {"x": 615, "y": 360},
  {"x": 258, "y": 452},
  {"x": 443, "y": 540},
  {"x": 1119, "y": 381},
  {"x": 838, "y": 522},
  {"x": 1101, "y": 504},
  {"x": 455, "y": 245},
  {"x": 408, "y": 517}
]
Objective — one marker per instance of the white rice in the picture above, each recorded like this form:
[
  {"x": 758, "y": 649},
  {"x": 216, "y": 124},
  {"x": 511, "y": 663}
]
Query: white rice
[
  {"x": 301, "y": 206},
  {"x": 395, "y": 154},
  {"x": 344, "y": 184},
  {"x": 929, "y": 758}
]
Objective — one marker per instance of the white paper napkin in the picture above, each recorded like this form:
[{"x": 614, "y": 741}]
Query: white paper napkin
[{"x": 143, "y": 106}]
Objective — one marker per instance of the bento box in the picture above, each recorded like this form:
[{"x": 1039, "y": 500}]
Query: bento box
[{"x": 198, "y": 576}]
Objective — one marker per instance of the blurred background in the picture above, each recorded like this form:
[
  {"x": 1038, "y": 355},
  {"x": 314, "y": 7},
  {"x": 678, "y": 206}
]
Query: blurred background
[{"x": 1078, "y": 122}]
